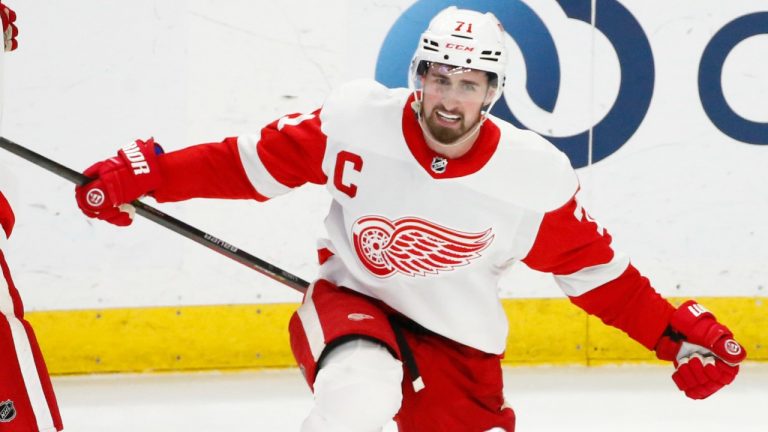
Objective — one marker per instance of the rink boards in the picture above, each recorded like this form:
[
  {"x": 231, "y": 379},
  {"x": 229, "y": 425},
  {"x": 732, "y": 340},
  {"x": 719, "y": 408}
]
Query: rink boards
[{"x": 542, "y": 331}]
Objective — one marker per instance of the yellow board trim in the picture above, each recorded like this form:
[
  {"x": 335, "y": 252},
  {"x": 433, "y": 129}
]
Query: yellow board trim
[{"x": 542, "y": 331}]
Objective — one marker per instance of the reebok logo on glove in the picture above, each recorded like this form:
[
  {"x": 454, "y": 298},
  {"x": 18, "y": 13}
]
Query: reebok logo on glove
[{"x": 134, "y": 155}]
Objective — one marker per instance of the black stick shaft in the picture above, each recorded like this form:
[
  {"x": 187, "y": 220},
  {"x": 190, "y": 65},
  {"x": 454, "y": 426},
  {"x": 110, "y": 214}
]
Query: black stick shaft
[{"x": 173, "y": 224}]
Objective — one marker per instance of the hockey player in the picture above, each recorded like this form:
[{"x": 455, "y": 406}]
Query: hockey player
[
  {"x": 27, "y": 401},
  {"x": 433, "y": 198}
]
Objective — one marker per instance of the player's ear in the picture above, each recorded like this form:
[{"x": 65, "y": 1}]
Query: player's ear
[
  {"x": 421, "y": 78},
  {"x": 490, "y": 96}
]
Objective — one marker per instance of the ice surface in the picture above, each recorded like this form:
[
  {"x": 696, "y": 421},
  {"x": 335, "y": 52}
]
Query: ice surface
[{"x": 573, "y": 399}]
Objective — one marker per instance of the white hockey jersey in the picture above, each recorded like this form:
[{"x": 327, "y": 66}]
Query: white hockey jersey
[{"x": 428, "y": 236}]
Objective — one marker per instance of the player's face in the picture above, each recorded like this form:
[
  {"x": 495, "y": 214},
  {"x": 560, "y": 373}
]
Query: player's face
[{"x": 452, "y": 100}]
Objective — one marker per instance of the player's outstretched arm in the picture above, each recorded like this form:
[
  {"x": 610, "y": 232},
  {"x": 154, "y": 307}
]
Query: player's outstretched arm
[
  {"x": 287, "y": 154},
  {"x": 577, "y": 251},
  {"x": 704, "y": 352}
]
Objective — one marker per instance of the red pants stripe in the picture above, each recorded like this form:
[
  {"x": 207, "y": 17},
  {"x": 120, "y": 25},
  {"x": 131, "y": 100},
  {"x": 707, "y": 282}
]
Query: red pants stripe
[{"x": 27, "y": 400}]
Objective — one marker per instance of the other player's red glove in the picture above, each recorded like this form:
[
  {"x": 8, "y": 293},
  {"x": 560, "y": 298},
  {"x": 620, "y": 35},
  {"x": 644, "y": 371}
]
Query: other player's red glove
[
  {"x": 705, "y": 355},
  {"x": 10, "y": 31},
  {"x": 134, "y": 172}
]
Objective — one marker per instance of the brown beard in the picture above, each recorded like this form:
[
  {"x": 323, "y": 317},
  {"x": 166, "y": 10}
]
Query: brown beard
[{"x": 443, "y": 134}]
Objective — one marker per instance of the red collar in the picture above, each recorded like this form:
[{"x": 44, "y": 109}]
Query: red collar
[{"x": 480, "y": 153}]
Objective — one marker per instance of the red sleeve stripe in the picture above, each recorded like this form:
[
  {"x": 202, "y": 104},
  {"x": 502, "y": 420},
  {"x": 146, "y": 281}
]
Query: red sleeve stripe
[
  {"x": 254, "y": 168},
  {"x": 589, "y": 278}
]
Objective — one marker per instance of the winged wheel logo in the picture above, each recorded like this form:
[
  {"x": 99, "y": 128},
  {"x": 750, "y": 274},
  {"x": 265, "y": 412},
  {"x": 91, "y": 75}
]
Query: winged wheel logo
[{"x": 414, "y": 246}]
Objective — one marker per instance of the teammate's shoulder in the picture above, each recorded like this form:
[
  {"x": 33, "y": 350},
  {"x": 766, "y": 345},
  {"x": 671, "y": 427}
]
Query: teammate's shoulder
[{"x": 540, "y": 175}]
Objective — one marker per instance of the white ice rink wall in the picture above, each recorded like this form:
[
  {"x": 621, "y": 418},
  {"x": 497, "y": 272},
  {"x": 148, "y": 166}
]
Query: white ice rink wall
[{"x": 660, "y": 105}]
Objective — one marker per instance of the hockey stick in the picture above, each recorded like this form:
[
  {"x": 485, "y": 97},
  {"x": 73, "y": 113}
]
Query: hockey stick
[{"x": 167, "y": 221}]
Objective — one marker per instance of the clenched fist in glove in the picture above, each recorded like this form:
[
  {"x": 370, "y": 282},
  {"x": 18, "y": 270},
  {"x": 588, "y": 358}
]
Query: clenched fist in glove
[
  {"x": 9, "y": 28},
  {"x": 134, "y": 172},
  {"x": 705, "y": 355}
]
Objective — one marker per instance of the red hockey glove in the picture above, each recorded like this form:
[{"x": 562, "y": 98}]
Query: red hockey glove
[
  {"x": 10, "y": 31},
  {"x": 705, "y": 355},
  {"x": 134, "y": 172}
]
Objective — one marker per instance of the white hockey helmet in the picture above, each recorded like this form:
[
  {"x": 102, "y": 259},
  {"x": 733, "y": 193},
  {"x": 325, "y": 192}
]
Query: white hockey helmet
[{"x": 465, "y": 39}]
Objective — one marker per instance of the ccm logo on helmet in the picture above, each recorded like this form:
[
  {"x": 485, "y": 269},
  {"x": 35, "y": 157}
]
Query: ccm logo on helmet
[{"x": 459, "y": 47}]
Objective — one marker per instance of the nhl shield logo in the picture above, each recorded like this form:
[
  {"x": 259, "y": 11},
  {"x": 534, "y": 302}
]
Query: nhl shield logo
[
  {"x": 439, "y": 164},
  {"x": 7, "y": 411}
]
